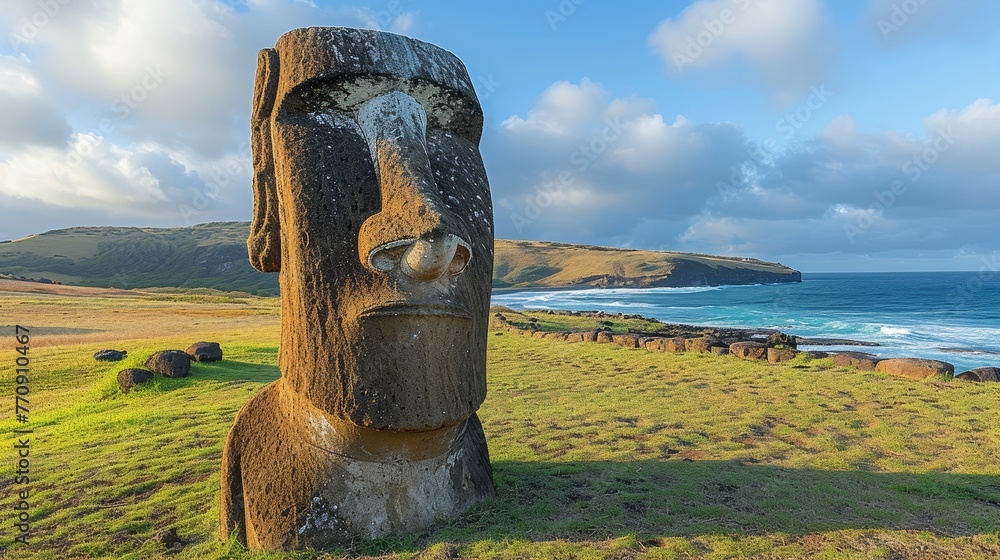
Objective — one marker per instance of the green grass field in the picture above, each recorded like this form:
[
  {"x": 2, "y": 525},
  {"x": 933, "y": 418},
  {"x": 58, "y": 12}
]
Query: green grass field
[{"x": 599, "y": 451}]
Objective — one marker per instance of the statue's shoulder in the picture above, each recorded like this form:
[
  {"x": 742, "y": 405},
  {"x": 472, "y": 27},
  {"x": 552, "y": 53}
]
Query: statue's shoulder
[{"x": 258, "y": 415}]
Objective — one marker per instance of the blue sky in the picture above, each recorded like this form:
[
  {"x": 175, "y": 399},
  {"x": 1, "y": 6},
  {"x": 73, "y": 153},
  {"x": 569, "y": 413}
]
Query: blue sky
[{"x": 831, "y": 136}]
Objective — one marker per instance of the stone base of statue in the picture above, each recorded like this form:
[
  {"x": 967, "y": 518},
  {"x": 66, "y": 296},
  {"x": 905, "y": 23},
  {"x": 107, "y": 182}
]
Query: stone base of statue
[{"x": 321, "y": 482}]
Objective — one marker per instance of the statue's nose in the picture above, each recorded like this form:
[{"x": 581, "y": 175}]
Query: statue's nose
[
  {"x": 415, "y": 231},
  {"x": 424, "y": 259}
]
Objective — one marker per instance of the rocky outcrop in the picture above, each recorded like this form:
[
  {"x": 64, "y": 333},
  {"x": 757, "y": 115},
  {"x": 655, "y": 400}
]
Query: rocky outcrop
[
  {"x": 915, "y": 368},
  {"x": 170, "y": 363}
]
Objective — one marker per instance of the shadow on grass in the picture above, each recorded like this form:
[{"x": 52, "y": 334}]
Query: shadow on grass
[
  {"x": 225, "y": 371},
  {"x": 677, "y": 498}
]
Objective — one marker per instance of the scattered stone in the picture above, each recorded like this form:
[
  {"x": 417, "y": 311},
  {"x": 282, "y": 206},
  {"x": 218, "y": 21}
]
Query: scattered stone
[
  {"x": 205, "y": 351},
  {"x": 626, "y": 340},
  {"x": 170, "y": 363},
  {"x": 780, "y": 355},
  {"x": 858, "y": 360},
  {"x": 915, "y": 368},
  {"x": 982, "y": 375},
  {"x": 749, "y": 350},
  {"x": 701, "y": 344},
  {"x": 110, "y": 355},
  {"x": 676, "y": 344},
  {"x": 129, "y": 378},
  {"x": 656, "y": 344},
  {"x": 170, "y": 539}
]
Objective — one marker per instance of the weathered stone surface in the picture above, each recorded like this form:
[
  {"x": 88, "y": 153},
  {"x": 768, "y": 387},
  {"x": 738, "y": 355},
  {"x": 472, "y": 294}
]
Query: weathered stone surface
[
  {"x": 859, "y": 360},
  {"x": 626, "y": 340},
  {"x": 556, "y": 336},
  {"x": 605, "y": 337},
  {"x": 749, "y": 350},
  {"x": 780, "y": 355},
  {"x": 701, "y": 344},
  {"x": 656, "y": 344},
  {"x": 110, "y": 355},
  {"x": 372, "y": 203},
  {"x": 170, "y": 363},
  {"x": 575, "y": 337},
  {"x": 205, "y": 351},
  {"x": 129, "y": 378},
  {"x": 983, "y": 374},
  {"x": 915, "y": 368},
  {"x": 719, "y": 350},
  {"x": 675, "y": 345}
]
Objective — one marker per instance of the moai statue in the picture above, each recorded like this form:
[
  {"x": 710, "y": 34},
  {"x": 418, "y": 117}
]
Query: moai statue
[{"x": 372, "y": 203}]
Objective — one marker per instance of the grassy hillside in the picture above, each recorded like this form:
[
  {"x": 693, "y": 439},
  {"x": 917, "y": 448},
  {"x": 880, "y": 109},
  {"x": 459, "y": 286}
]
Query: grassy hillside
[
  {"x": 215, "y": 256},
  {"x": 599, "y": 451},
  {"x": 534, "y": 264},
  {"x": 202, "y": 256}
]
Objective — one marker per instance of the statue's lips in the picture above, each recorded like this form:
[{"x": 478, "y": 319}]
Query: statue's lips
[{"x": 403, "y": 309}]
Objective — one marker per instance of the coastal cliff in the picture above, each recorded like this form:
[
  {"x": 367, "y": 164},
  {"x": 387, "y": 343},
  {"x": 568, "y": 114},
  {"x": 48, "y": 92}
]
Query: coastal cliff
[{"x": 537, "y": 264}]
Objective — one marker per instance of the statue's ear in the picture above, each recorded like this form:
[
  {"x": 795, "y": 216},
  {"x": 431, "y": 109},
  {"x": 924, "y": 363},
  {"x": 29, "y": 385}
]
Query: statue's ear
[{"x": 264, "y": 243}]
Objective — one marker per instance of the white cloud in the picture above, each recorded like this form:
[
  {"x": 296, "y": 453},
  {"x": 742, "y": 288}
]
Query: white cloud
[
  {"x": 159, "y": 94},
  {"x": 785, "y": 42},
  {"x": 654, "y": 182},
  {"x": 30, "y": 116}
]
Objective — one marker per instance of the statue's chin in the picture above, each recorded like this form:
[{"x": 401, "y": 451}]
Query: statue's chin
[{"x": 417, "y": 372}]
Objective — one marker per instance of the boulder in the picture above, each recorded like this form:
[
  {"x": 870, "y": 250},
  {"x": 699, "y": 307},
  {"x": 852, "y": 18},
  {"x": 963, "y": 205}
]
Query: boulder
[
  {"x": 555, "y": 336},
  {"x": 780, "y": 355},
  {"x": 701, "y": 344},
  {"x": 749, "y": 350},
  {"x": 675, "y": 344},
  {"x": 129, "y": 378},
  {"x": 205, "y": 351},
  {"x": 575, "y": 337},
  {"x": 859, "y": 360},
  {"x": 656, "y": 344},
  {"x": 538, "y": 334},
  {"x": 781, "y": 340},
  {"x": 170, "y": 363},
  {"x": 591, "y": 336},
  {"x": 110, "y": 355},
  {"x": 983, "y": 374},
  {"x": 626, "y": 340},
  {"x": 719, "y": 350},
  {"x": 605, "y": 337},
  {"x": 915, "y": 368}
]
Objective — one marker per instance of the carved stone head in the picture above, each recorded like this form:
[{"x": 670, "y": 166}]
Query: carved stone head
[{"x": 372, "y": 202}]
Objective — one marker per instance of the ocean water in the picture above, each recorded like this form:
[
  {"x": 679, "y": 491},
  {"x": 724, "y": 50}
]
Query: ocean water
[{"x": 950, "y": 316}]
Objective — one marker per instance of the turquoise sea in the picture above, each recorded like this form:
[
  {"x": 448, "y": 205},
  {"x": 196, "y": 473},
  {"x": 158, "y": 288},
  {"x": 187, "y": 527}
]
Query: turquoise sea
[{"x": 950, "y": 316}]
